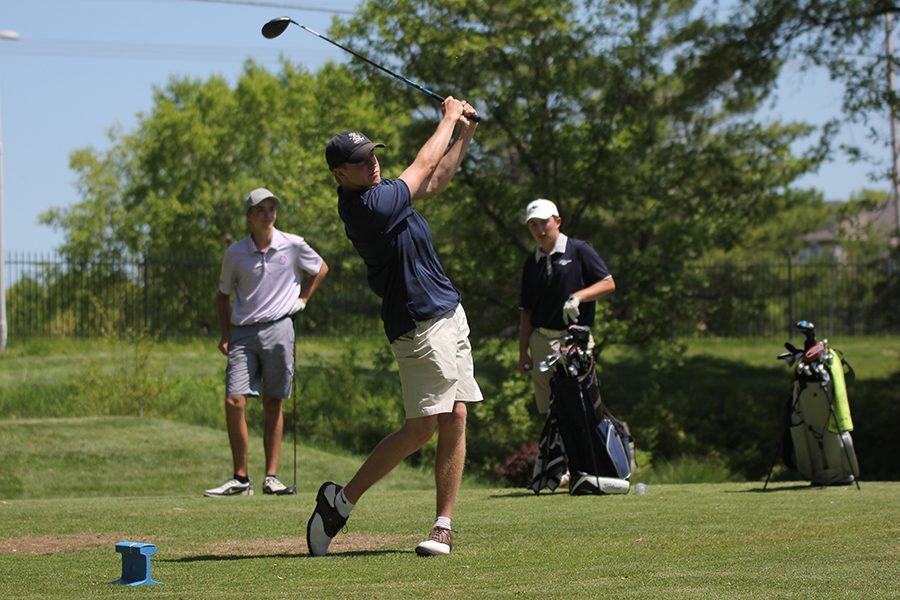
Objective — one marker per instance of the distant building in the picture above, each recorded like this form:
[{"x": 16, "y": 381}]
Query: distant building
[{"x": 879, "y": 221}]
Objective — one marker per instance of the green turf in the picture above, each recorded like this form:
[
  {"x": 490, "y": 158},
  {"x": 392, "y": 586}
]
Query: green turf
[
  {"x": 86, "y": 484},
  {"x": 678, "y": 541},
  {"x": 130, "y": 456}
]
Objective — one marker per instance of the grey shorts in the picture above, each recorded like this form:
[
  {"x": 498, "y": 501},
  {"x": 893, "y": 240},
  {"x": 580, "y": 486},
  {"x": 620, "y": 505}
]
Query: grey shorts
[
  {"x": 261, "y": 359},
  {"x": 435, "y": 363}
]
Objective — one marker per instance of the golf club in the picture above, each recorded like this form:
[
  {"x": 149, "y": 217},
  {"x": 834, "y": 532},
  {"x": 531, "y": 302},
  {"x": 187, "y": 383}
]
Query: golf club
[
  {"x": 292, "y": 489},
  {"x": 276, "y": 27}
]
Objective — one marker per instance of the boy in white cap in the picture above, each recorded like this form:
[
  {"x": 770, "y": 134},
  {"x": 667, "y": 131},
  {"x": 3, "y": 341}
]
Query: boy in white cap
[
  {"x": 264, "y": 272},
  {"x": 560, "y": 283}
]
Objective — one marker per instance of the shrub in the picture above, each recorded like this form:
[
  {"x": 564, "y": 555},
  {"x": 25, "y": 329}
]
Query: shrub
[{"x": 519, "y": 466}]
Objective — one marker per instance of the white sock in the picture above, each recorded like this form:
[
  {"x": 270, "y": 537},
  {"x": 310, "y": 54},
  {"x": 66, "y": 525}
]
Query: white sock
[
  {"x": 343, "y": 505},
  {"x": 442, "y": 522}
]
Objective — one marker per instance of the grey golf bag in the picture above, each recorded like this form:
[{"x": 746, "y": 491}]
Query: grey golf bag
[{"x": 816, "y": 437}]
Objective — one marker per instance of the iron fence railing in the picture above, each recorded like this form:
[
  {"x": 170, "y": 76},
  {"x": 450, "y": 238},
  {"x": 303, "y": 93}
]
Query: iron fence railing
[
  {"x": 734, "y": 298},
  {"x": 52, "y": 295}
]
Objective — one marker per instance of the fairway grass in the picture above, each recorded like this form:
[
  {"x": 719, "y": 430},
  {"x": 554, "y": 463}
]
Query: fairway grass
[
  {"x": 81, "y": 485},
  {"x": 677, "y": 541}
]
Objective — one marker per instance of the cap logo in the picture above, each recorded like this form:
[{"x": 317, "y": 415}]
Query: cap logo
[{"x": 356, "y": 137}]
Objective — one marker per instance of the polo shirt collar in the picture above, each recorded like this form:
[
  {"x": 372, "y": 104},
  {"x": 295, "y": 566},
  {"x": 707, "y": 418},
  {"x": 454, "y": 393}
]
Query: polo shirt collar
[
  {"x": 559, "y": 247},
  {"x": 279, "y": 241}
]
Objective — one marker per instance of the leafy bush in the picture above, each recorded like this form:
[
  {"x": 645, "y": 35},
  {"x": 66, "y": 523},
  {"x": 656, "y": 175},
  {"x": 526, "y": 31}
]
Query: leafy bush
[{"x": 518, "y": 468}]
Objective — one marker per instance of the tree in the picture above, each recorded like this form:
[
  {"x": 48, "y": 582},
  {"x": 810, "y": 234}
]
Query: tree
[
  {"x": 846, "y": 37},
  {"x": 648, "y": 148},
  {"x": 169, "y": 194}
]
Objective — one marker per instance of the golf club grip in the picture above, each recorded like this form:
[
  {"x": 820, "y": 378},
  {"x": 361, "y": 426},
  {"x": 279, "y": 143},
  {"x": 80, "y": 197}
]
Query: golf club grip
[{"x": 437, "y": 97}]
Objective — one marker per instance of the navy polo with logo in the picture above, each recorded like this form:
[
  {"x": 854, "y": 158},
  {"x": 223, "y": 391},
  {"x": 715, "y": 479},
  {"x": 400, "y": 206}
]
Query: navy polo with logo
[
  {"x": 573, "y": 265},
  {"x": 394, "y": 241}
]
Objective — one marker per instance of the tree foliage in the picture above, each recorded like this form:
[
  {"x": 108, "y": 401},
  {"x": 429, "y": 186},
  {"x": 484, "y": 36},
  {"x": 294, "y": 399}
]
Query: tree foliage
[
  {"x": 606, "y": 108},
  {"x": 173, "y": 189},
  {"x": 846, "y": 37},
  {"x": 635, "y": 117}
]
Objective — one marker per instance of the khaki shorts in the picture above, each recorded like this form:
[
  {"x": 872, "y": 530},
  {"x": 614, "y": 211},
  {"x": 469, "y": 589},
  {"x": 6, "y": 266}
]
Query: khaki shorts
[
  {"x": 435, "y": 362},
  {"x": 542, "y": 343}
]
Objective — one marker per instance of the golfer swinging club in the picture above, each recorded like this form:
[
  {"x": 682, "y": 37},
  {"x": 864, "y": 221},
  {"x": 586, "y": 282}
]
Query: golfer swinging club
[{"x": 423, "y": 318}]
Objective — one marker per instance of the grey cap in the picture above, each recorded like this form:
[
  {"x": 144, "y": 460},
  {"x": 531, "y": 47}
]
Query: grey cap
[{"x": 257, "y": 196}]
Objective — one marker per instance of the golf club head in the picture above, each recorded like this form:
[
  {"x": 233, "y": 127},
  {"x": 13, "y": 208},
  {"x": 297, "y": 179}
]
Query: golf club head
[
  {"x": 275, "y": 27},
  {"x": 288, "y": 491}
]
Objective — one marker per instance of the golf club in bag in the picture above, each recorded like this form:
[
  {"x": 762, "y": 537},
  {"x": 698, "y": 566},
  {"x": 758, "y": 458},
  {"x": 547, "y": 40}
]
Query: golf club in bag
[
  {"x": 580, "y": 433},
  {"x": 815, "y": 436}
]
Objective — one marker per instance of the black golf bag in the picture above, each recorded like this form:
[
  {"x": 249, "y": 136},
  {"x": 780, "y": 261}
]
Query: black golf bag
[
  {"x": 816, "y": 435},
  {"x": 580, "y": 433}
]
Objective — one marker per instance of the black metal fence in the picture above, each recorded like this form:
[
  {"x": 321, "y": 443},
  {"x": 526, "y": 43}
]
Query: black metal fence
[
  {"x": 729, "y": 298},
  {"x": 50, "y": 295}
]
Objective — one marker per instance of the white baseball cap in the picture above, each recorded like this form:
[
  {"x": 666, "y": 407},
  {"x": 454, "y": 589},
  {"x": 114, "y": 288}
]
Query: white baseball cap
[
  {"x": 257, "y": 196},
  {"x": 540, "y": 209}
]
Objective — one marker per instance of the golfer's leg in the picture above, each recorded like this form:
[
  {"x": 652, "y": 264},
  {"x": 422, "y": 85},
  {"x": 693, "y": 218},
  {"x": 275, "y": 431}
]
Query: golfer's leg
[
  {"x": 389, "y": 453},
  {"x": 272, "y": 433},
  {"x": 450, "y": 458},
  {"x": 236, "y": 423},
  {"x": 541, "y": 347}
]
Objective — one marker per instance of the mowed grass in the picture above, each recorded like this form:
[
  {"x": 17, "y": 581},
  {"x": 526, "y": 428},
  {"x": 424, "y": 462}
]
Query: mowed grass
[
  {"x": 142, "y": 480},
  {"x": 131, "y": 456}
]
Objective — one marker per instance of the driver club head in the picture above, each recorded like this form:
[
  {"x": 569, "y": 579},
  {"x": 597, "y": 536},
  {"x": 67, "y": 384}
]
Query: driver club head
[
  {"x": 288, "y": 491},
  {"x": 275, "y": 27}
]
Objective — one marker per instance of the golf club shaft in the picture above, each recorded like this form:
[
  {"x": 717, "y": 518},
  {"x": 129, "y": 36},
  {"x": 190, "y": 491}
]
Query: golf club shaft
[{"x": 419, "y": 87}]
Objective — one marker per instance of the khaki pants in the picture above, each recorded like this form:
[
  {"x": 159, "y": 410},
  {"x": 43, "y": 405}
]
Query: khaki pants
[{"x": 544, "y": 342}]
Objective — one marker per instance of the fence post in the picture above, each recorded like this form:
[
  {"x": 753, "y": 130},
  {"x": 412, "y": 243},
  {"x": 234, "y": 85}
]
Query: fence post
[
  {"x": 790, "y": 295},
  {"x": 146, "y": 282},
  {"x": 832, "y": 301}
]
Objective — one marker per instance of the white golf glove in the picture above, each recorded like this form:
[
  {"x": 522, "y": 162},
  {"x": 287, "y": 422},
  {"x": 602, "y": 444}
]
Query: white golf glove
[
  {"x": 299, "y": 305},
  {"x": 570, "y": 310}
]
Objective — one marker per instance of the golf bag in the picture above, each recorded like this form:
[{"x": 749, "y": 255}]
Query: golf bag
[
  {"x": 580, "y": 433},
  {"x": 816, "y": 437}
]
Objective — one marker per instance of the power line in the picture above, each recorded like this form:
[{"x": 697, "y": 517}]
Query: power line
[
  {"x": 148, "y": 51},
  {"x": 261, "y": 3},
  {"x": 278, "y": 5}
]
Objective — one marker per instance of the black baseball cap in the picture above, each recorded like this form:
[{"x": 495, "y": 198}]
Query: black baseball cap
[{"x": 349, "y": 147}]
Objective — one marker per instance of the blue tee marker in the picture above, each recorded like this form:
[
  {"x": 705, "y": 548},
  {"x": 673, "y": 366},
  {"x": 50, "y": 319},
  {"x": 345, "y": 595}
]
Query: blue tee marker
[{"x": 136, "y": 563}]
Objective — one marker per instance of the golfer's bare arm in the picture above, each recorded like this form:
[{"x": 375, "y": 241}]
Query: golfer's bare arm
[
  {"x": 596, "y": 290},
  {"x": 449, "y": 163},
  {"x": 419, "y": 174},
  {"x": 223, "y": 309},
  {"x": 313, "y": 283}
]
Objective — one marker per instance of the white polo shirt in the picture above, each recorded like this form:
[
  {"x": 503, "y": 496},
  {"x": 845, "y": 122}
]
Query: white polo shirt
[{"x": 266, "y": 284}]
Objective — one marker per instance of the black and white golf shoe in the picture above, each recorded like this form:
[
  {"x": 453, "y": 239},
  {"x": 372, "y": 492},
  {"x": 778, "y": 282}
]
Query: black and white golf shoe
[
  {"x": 272, "y": 485},
  {"x": 232, "y": 487},
  {"x": 325, "y": 522}
]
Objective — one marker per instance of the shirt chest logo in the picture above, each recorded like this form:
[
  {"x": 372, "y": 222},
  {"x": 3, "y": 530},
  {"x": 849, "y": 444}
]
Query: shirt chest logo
[{"x": 563, "y": 261}]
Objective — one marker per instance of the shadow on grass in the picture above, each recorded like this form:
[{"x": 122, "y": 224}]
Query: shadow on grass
[
  {"x": 229, "y": 557},
  {"x": 513, "y": 494},
  {"x": 759, "y": 490}
]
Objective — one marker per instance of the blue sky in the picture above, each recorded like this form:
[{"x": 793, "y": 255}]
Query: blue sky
[{"x": 82, "y": 67}]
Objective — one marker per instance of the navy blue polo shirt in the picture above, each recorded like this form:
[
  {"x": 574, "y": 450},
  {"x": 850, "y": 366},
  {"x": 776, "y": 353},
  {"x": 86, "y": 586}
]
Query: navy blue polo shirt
[
  {"x": 574, "y": 265},
  {"x": 394, "y": 241}
]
